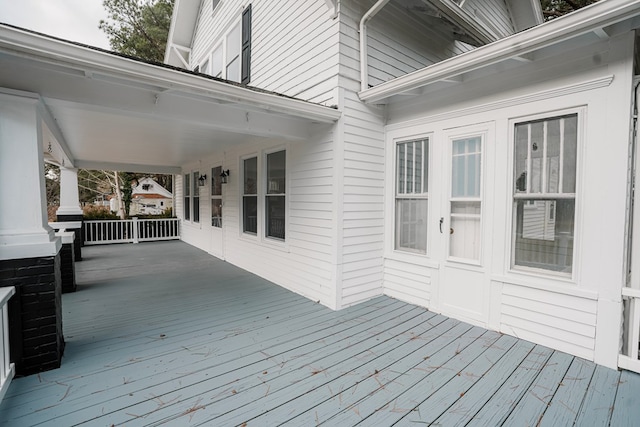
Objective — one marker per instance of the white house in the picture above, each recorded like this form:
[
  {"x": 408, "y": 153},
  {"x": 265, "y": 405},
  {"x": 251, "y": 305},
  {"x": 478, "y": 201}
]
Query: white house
[
  {"x": 148, "y": 197},
  {"x": 459, "y": 155}
]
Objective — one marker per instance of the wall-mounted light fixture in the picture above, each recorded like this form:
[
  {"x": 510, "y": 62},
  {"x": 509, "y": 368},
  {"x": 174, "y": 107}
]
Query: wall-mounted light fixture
[
  {"x": 224, "y": 176},
  {"x": 202, "y": 181}
]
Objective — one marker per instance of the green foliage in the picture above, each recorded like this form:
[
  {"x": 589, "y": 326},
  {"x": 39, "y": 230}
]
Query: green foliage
[
  {"x": 126, "y": 179},
  {"x": 52, "y": 184},
  {"x": 98, "y": 212},
  {"x": 555, "y": 8},
  {"x": 138, "y": 27}
]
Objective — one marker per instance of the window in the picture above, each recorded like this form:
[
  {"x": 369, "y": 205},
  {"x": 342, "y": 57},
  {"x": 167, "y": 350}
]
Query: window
[
  {"x": 216, "y": 62},
  {"x": 234, "y": 49},
  {"x": 545, "y": 192},
  {"x": 187, "y": 198},
  {"x": 275, "y": 195},
  {"x": 412, "y": 159},
  {"x": 216, "y": 197},
  {"x": 465, "y": 200},
  {"x": 231, "y": 58},
  {"x": 196, "y": 197},
  {"x": 250, "y": 196}
]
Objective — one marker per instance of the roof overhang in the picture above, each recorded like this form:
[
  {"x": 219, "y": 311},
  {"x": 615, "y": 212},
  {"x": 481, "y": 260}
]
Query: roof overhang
[
  {"x": 604, "y": 19},
  {"x": 110, "y": 111},
  {"x": 181, "y": 31}
]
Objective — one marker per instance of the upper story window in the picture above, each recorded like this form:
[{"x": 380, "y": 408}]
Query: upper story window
[
  {"x": 231, "y": 57},
  {"x": 545, "y": 193}
]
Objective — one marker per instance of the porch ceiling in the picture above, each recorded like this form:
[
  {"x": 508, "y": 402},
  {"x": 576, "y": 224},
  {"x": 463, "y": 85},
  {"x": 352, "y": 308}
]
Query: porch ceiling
[{"x": 118, "y": 113}]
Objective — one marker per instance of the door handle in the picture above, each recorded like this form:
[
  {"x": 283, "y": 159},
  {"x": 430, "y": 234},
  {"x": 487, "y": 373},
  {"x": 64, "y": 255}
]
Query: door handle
[{"x": 441, "y": 221}]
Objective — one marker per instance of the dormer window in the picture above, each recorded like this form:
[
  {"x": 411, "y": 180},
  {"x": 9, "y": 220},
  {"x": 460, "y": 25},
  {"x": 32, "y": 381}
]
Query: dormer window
[{"x": 146, "y": 187}]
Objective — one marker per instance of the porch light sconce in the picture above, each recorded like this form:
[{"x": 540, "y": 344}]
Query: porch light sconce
[
  {"x": 202, "y": 181},
  {"x": 224, "y": 176}
]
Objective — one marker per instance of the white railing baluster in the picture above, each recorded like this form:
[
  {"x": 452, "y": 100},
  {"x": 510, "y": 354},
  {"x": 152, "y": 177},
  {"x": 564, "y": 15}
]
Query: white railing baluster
[
  {"x": 102, "y": 232},
  {"x": 7, "y": 369},
  {"x": 629, "y": 359}
]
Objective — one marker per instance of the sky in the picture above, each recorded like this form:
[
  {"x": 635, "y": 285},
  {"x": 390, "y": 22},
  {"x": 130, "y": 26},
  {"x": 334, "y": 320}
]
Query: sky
[{"x": 75, "y": 20}]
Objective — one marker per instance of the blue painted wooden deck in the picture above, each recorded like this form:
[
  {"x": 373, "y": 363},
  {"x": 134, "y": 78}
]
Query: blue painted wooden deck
[{"x": 162, "y": 333}]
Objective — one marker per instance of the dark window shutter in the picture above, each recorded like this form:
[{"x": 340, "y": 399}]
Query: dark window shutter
[{"x": 245, "y": 77}]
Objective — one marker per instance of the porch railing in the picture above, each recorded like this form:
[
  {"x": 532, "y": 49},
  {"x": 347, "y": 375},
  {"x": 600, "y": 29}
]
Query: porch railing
[
  {"x": 134, "y": 230},
  {"x": 7, "y": 369},
  {"x": 629, "y": 358}
]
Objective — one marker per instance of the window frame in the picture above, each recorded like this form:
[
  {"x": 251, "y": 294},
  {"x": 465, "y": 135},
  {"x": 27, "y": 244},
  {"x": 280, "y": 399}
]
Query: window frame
[
  {"x": 426, "y": 179},
  {"x": 512, "y": 267},
  {"x": 242, "y": 193},
  {"x": 244, "y": 22},
  {"x": 195, "y": 198},
  {"x": 186, "y": 188},
  {"x": 215, "y": 177},
  {"x": 265, "y": 174}
]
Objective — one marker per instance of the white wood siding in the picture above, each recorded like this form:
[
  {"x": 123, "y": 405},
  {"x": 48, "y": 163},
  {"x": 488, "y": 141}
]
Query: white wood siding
[
  {"x": 557, "y": 320},
  {"x": 578, "y": 313},
  {"x": 305, "y": 263},
  {"x": 407, "y": 282},
  {"x": 492, "y": 15},
  {"x": 399, "y": 43},
  {"x": 294, "y": 47},
  {"x": 363, "y": 201}
]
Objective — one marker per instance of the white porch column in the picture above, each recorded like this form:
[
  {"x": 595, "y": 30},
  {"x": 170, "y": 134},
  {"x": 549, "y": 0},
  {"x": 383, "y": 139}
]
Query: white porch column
[
  {"x": 24, "y": 232},
  {"x": 69, "y": 199}
]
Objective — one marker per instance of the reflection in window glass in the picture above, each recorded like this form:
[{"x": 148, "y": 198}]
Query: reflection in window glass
[
  {"x": 412, "y": 158},
  {"x": 275, "y": 195},
  {"x": 544, "y": 196}
]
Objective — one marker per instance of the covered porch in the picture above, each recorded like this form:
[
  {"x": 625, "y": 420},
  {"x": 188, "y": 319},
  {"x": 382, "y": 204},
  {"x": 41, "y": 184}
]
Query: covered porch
[{"x": 164, "y": 333}]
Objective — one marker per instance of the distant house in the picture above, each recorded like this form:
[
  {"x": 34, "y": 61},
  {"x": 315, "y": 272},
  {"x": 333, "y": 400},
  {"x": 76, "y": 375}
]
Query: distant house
[
  {"x": 148, "y": 198},
  {"x": 460, "y": 155}
]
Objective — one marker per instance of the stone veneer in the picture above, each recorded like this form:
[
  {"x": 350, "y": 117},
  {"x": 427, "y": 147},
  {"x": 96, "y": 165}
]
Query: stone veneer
[{"x": 35, "y": 311}]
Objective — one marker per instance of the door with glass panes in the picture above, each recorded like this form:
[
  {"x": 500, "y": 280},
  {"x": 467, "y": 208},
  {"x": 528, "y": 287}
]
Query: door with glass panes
[
  {"x": 464, "y": 284},
  {"x": 216, "y": 212}
]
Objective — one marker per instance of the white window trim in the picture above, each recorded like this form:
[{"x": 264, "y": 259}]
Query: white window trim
[
  {"x": 216, "y": 197},
  {"x": 393, "y": 138},
  {"x": 486, "y": 133},
  {"x": 243, "y": 234},
  {"x": 524, "y": 272},
  {"x": 190, "y": 221},
  {"x": 263, "y": 215},
  {"x": 260, "y": 236},
  {"x": 222, "y": 40}
]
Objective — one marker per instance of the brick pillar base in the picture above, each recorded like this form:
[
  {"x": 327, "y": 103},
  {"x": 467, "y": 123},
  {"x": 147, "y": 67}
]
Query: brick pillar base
[
  {"x": 67, "y": 268},
  {"x": 78, "y": 241},
  {"x": 35, "y": 324}
]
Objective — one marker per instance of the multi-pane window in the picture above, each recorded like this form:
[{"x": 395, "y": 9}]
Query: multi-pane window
[
  {"x": 234, "y": 48},
  {"x": 187, "y": 196},
  {"x": 412, "y": 194},
  {"x": 275, "y": 195},
  {"x": 231, "y": 57},
  {"x": 545, "y": 193},
  {"x": 216, "y": 197},
  {"x": 196, "y": 197},
  {"x": 465, "y": 199},
  {"x": 217, "y": 62},
  {"x": 250, "y": 196}
]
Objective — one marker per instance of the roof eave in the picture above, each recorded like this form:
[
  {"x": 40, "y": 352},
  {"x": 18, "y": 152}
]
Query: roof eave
[
  {"x": 598, "y": 15},
  {"x": 30, "y": 45}
]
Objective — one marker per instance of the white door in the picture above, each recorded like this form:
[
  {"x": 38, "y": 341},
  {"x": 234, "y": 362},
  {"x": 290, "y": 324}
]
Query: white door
[
  {"x": 463, "y": 281},
  {"x": 217, "y": 203}
]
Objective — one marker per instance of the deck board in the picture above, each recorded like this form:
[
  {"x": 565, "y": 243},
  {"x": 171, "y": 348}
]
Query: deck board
[{"x": 162, "y": 333}]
